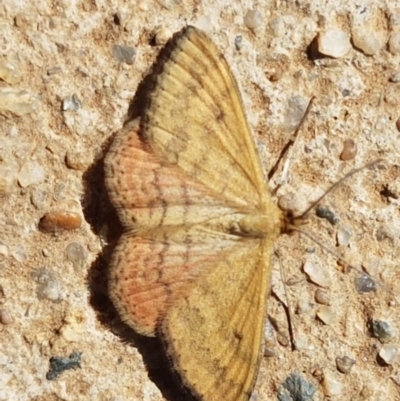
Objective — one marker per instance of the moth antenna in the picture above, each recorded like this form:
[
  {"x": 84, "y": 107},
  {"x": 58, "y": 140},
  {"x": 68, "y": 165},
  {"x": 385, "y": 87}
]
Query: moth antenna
[{"x": 335, "y": 185}]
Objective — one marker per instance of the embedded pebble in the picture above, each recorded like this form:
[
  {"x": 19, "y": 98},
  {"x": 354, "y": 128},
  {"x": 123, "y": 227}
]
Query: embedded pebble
[
  {"x": 392, "y": 96},
  {"x": 301, "y": 342},
  {"x": 303, "y": 307},
  {"x": 59, "y": 364},
  {"x": 23, "y": 20},
  {"x": 295, "y": 109},
  {"x": 162, "y": 35},
  {"x": 253, "y": 19},
  {"x": 124, "y": 54},
  {"x": 398, "y": 124},
  {"x": 18, "y": 102},
  {"x": 19, "y": 254},
  {"x": 277, "y": 27},
  {"x": 121, "y": 18},
  {"x": 326, "y": 314},
  {"x": 344, "y": 364},
  {"x": 238, "y": 42},
  {"x": 382, "y": 330},
  {"x": 317, "y": 274},
  {"x": 74, "y": 326},
  {"x": 289, "y": 201},
  {"x": 282, "y": 338},
  {"x": 5, "y": 317},
  {"x": 270, "y": 341},
  {"x": 322, "y": 297},
  {"x": 331, "y": 386},
  {"x": 58, "y": 221},
  {"x": 48, "y": 286},
  {"x": 39, "y": 199},
  {"x": 327, "y": 214},
  {"x": 386, "y": 231},
  {"x": 394, "y": 19},
  {"x": 9, "y": 72},
  {"x": 390, "y": 353},
  {"x": 349, "y": 151},
  {"x": 53, "y": 71},
  {"x": 203, "y": 23},
  {"x": 334, "y": 43},
  {"x": 8, "y": 176},
  {"x": 365, "y": 283},
  {"x": 366, "y": 41},
  {"x": 31, "y": 173},
  {"x": 3, "y": 251},
  {"x": 77, "y": 160},
  {"x": 295, "y": 387},
  {"x": 395, "y": 78},
  {"x": 76, "y": 254},
  {"x": 343, "y": 236},
  {"x": 394, "y": 43},
  {"x": 71, "y": 103}
]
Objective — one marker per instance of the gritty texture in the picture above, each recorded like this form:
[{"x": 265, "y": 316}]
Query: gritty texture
[{"x": 52, "y": 159}]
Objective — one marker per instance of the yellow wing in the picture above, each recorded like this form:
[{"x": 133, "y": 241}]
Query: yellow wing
[
  {"x": 213, "y": 333},
  {"x": 195, "y": 119}
]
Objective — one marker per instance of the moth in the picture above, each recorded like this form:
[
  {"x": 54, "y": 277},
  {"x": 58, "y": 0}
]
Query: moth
[{"x": 193, "y": 264}]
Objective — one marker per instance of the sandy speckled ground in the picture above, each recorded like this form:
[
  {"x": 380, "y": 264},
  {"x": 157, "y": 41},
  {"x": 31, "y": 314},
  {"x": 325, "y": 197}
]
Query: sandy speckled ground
[{"x": 51, "y": 160}]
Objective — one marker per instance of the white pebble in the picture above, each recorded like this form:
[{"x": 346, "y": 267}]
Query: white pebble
[
  {"x": 326, "y": 314},
  {"x": 253, "y": 19},
  {"x": 19, "y": 254},
  {"x": 3, "y": 251},
  {"x": 317, "y": 274},
  {"x": 277, "y": 27},
  {"x": 344, "y": 235},
  {"x": 394, "y": 43},
  {"x": 331, "y": 386},
  {"x": 162, "y": 35},
  {"x": 9, "y": 72},
  {"x": 367, "y": 41},
  {"x": 390, "y": 353},
  {"x": 334, "y": 43},
  {"x": 303, "y": 307},
  {"x": 322, "y": 297},
  {"x": 31, "y": 173}
]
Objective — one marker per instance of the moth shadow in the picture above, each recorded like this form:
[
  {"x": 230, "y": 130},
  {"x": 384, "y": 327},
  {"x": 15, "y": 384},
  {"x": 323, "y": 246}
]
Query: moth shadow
[{"x": 103, "y": 219}]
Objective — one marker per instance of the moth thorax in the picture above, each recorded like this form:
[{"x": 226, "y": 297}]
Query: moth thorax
[{"x": 258, "y": 226}]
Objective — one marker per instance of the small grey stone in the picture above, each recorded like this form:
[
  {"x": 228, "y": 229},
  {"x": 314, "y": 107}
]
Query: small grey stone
[
  {"x": 383, "y": 331},
  {"x": 344, "y": 364},
  {"x": 365, "y": 283},
  {"x": 124, "y": 54},
  {"x": 295, "y": 110},
  {"x": 76, "y": 254},
  {"x": 48, "y": 286},
  {"x": 238, "y": 42},
  {"x": 327, "y": 214},
  {"x": 295, "y": 387},
  {"x": 59, "y": 364}
]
